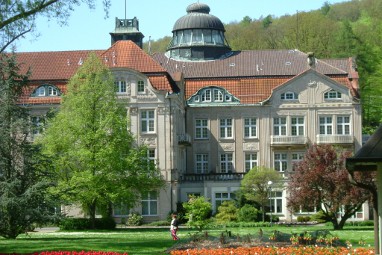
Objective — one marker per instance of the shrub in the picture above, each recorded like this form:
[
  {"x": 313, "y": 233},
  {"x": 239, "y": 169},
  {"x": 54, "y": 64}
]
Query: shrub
[
  {"x": 135, "y": 219},
  {"x": 248, "y": 213},
  {"x": 84, "y": 223},
  {"x": 319, "y": 217},
  {"x": 227, "y": 212},
  {"x": 303, "y": 218},
  {"x": 198, "y": 212}
]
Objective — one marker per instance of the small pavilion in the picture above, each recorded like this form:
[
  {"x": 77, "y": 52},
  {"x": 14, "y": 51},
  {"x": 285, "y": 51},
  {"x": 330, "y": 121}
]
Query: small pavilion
[{"x": 369, "y": 158}]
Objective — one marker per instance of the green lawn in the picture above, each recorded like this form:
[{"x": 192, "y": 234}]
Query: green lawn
[{"x": 147, "y": 240}]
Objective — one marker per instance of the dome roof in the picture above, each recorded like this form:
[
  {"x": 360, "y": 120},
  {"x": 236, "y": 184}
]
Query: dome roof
[{"x": 198, "y": 17}]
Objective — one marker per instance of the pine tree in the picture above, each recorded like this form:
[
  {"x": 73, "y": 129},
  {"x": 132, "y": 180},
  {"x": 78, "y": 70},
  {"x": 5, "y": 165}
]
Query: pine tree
[{"x": 23, "y": 186}]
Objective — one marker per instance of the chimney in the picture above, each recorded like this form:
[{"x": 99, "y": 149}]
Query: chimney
[{"x": 311, "y": 60}]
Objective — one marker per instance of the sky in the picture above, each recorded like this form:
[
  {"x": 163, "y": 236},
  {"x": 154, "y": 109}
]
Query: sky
[{"x": 89, "y": 29}]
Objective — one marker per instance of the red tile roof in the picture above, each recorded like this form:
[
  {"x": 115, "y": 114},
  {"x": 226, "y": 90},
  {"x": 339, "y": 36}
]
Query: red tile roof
[{"x": 56, "y": 67}]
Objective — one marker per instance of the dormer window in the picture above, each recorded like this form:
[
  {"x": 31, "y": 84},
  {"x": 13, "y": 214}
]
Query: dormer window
[
  {"x": 332, "y": 95},
  {"x": 141, "y": 86},
  {"x": 289, "y": 96},
  {"x": 206, "y": 96},
  {"x": 46, "y": 91},
  {"x": 120, "y": 86},
  {"x": 218, "y": 95}
]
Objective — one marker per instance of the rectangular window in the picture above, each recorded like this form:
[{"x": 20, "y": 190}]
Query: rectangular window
[
  {"x": 226, "y": 128},
  {"x": 250, "y": 161},
  {"x": 120, "y": 209},
  {"x": 220, "y": 197},
  {"x": 141, "y": 86},
  {"x": 226, "y": 162},
  {"x": 52, "y": 91},
  {"x": 148, "y": 121},
  {"x": 281, "y": 162},
  {"x": 276, "y": 202},
  {"x": 296, "y": 157},
  {"x": 201, "y": 163},
  {"x": 343, "y": 125},
  {"x": 218, "y": 96},
  {"x": 206, "y": 96},
  {"x": 149, "y": 203},
  {"x": 120, "y": 86},
  {"x": 41, "y": 91},
  {"x": 250, "y": 128},
  {"x": 326, "y": 125},
  {"x": 201, "y": 129},
  {"x": 279, "y": 126},
  {"x": 297, "y": 126},
  {"x": 151, "y": 155},
  {"x": 37, "y": 124}
]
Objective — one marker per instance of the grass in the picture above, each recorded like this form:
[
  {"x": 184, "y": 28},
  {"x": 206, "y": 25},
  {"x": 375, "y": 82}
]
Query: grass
[{"x": 144, "y": 241}]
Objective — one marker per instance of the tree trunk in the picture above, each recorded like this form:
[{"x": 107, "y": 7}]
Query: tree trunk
[
  {"x": 376, "y": 223},
  {"x": 92, "y": 214}
]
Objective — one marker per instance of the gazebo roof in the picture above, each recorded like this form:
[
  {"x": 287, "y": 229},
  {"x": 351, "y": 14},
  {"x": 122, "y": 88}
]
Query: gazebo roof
[{"x": 369, "y": 156}]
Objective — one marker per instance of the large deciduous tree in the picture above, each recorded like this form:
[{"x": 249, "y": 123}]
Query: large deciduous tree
[
  {"x": 256, "y": 185},
  {"x": 321, "y": 179},
  {"x": 23, "y": 184},
  {"x": 18, "y": 16},
  {"x": 94, "y": 154}
]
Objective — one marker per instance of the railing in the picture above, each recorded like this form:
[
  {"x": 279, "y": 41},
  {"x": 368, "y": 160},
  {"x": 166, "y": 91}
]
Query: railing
[
  {"x": 212, "y": 177},
  {"x": 184, "y": 139},
  {"x": 334, "y": 139},
  {"x": 281, "y": 140}
]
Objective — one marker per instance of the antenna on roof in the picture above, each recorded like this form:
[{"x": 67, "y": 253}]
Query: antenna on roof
[{"x": 125, "y": 9}]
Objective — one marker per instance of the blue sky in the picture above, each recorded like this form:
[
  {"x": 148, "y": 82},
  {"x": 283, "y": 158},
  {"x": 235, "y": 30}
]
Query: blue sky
[{"x": 89, "y": 30}]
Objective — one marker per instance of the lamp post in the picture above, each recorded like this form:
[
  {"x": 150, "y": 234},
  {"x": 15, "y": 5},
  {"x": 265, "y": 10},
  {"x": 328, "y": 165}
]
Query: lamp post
[{"x": 270, "y": 200}]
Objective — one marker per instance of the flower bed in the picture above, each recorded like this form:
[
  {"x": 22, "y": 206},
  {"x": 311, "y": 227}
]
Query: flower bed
[
  {"x": 306, "y": 250},
  {"x": 78, "y": 253}
]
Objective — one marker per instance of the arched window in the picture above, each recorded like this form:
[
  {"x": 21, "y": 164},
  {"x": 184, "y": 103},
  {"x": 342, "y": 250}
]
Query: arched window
[
  {"x": 46, "y": 90},
  {"x": 332, "y": 94}
]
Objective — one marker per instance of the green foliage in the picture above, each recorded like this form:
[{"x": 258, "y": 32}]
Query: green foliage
[
  {"x": 249, "y": 213},
  {"x": 198, "y": 212},
  {"x": 320, "y": 217},
  {"x": 134, "y": 219},
  {"x": 303, "y": 218},
  {"x": 92, "y": 150},
  {"x": 227, "y": 212},
  {"x": 85, "y": 224},
  {"x": 24, "y": 178}
]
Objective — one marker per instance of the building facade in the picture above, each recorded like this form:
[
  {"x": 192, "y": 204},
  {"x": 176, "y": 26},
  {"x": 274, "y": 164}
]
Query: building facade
[{"x": 209, "y": 114}]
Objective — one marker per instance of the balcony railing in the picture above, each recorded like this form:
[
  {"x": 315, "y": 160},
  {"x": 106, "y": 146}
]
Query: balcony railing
[
  {"x": 184, "y": 139},
  {"x": 283, "y": 140},
  {"x": 212, "y": 177},
  {"x": 334, "y": 139}
]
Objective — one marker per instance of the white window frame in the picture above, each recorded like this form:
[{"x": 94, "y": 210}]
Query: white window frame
[
  {"x": 279, "y": 126},
  {"x": 288, "y": 96},
  {"x": 147, "y": 121},
  {"x": 297, "y": 126},
  {"x": 221, "y": 197},
  {"x": 326, "y": 125},
  {"x": 201, "y": 163},
  {"x": 226, "y": 162},
  {"x": 52, "y": 91},
  {"x": 343, "y": 125},
  {"x": 201, "y": 128},
  {"x": 296, "y": 158},
  {"x": 250, "y": 161},
  {"x": 218, "y": 95},
  {"x": 141, "y": 87},
  {"x": 151, "y": 199},
  {"x": 206, "y": 95},
  {"x": 250, "y": 127},
  {"x": 226, "y": 128},
  {"x": 332, "y": 95},
  {"x": 152, "y": 155},
  {"x": 41, "y": 91},
  {"x": 276, "y": 201},
  {"x": 121, "y": 86},
  {"x": 280, "y": 161}
]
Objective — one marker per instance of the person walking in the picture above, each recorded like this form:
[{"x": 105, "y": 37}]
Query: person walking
[{"x": 174, "y": 227}]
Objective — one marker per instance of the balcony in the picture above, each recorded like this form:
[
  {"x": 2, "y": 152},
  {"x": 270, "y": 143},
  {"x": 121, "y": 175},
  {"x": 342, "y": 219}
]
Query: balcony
[
  {"x": 288, "y": 140},
  {"x": 184, "y": 140},
  {"x": 333, "y": 139},
  {"x": 212, "y": 177}
]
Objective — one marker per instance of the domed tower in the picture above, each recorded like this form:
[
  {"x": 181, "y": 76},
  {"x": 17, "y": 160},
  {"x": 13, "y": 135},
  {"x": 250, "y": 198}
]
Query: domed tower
[{"x": 198, "y": 36}]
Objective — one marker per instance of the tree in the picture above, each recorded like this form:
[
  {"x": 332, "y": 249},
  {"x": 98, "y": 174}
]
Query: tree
[
  {"x": 256, "y": 185},
  {"x": 198, "y": 212},
  {"x": 18, "y": 17},
  {"x": 322, "y": 180},
  {"x": 93, "y": 153},
  {"x": 23, "y": 184}
]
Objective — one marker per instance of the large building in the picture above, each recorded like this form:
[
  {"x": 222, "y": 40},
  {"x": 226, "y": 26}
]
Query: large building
[{"x": 209, "y": 114}]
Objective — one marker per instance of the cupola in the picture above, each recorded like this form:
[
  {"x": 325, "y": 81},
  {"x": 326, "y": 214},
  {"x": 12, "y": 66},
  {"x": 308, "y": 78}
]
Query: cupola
[
  {"x": 198, "y": 36},
  {"x": 127, "y": 29}
]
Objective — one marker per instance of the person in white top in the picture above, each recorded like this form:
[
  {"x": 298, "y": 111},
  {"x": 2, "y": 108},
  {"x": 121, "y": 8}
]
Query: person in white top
[{"x": 174, "y": 227}]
